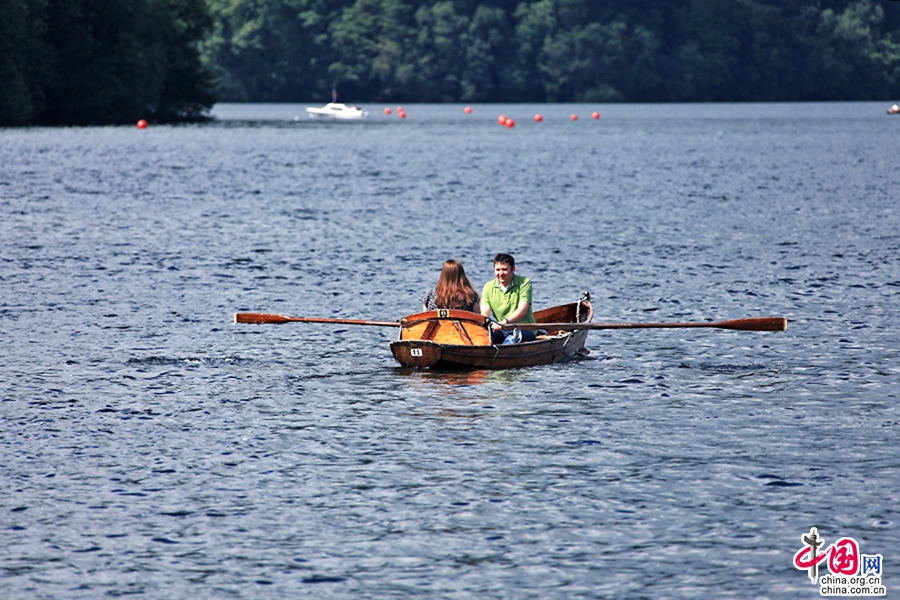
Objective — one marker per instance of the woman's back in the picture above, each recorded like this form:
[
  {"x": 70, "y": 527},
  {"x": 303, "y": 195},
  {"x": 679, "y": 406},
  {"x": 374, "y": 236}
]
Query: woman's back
[
  {"x": 453, "y": 290},
  {"x": 430, "y": 303}
]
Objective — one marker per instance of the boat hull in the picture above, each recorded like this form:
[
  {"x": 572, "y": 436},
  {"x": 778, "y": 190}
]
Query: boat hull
[
  {"x": 339, "y": 112},
  {"x": 456, "y": 339},
  {"x": 327, "y": 117}
]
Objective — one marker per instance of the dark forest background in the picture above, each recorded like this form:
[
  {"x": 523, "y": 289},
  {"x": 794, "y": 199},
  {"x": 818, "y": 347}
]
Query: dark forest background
[{"x": 109, "y": 61}]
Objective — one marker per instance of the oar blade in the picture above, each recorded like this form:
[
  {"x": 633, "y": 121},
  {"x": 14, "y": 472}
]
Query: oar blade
[
  {"x": 260, "y": 318},
  {"x": 756, "y": 324}
]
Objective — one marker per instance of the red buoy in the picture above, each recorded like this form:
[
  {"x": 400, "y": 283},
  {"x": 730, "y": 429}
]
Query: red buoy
[
  {"x": 142, "y": 124},
  {"x": 468, "y": 110},
  {"x": 387, "y": 111},
  {"x": 510, "y": 123},
  {"x": 401, "y": 114},
  {"x": 538, "y": 118},
  {"x": 595, "y": 115},
  {"x": 502, "y": 119},
  {"x": 574, "y": 117}
]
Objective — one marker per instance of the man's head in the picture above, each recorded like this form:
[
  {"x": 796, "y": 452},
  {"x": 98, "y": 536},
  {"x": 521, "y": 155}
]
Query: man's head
[{"x": 504, "y": 268}]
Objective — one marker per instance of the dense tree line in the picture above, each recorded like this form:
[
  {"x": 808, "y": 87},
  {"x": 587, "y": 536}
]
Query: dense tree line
[
  {"x": 556, "y": 50},
  {"x": 103, "y": 61}
]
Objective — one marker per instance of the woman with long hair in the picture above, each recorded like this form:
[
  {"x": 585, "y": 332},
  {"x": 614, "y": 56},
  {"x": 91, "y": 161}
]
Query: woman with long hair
[{"x": 453, "y": 290}]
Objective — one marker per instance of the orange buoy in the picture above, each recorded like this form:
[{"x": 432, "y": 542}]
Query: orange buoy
[
  {"x": 387, "y": 111},
  {"x": 510, "y": 123},
  {"x": 595, "y": 115},
  {"x": 502, "y": 119},
  {"x": 538, "y": 118},
  {"x": 142, "y": 124},
  {"x": 574, "y": 117},
  {"x": 468, "y": 110}
]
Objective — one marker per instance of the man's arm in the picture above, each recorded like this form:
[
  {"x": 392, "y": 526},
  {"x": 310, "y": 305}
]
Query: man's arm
[
  {"x": 485, "y": 307},
  {"x": 524, "y": 304},
  {"x": 519, "y": 313}
]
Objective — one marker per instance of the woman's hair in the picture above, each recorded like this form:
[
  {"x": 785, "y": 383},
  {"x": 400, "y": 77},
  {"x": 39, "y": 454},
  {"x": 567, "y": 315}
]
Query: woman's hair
[{"x": 453, "y": 287}]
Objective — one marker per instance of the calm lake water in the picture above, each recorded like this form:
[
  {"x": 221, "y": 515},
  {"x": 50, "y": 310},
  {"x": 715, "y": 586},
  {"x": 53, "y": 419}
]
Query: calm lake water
[{"x": 151, "y": 446}]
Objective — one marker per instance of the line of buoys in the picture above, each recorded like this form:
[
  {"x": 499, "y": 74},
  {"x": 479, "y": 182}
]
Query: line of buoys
[
  {"x": 508, "y": 122},
  {"x": 142, "y": 124},
  {"x": 502, "y": 119}
]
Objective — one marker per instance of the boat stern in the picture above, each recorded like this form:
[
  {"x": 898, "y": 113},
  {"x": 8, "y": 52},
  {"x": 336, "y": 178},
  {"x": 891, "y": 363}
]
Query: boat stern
[{"x": 416, "y": 354}]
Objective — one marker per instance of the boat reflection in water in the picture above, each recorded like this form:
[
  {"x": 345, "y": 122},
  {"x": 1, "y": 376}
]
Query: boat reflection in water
[
  {"x": 451, "y": 378},
  {"x": 452, "y": 394}
]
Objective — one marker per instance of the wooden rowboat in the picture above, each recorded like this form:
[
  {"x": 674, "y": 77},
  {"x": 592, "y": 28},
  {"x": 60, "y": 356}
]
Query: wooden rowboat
[{"x": 456, "y": 338}]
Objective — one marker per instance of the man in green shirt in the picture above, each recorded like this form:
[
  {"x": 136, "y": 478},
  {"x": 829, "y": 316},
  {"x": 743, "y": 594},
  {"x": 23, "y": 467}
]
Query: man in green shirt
[{"x": 508, "y": 296}]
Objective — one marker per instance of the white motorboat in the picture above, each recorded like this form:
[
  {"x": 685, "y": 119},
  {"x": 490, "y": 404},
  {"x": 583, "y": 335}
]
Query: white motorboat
[
  {"x": 335, "y": 110},
  {"x": 894, "y": 110}
]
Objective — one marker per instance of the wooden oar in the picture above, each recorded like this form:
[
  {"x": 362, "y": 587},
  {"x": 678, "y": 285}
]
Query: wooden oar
[
  {"x": 265, "y": 318},
  {"x": 755, "y": 324}
]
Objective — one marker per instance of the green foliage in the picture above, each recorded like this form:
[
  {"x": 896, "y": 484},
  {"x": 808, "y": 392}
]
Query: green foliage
[
  {"x": 485, "y": 75},
  {"x": 440, "y": 51},
  {"x": 372, "y": 40},
  {"x": 556, "y": 50},
  {"x": 269, "y": 50},
  {"x": 105, "y": 61},
  {"x": 24, "y": 55},
  {"x": 100, "y": 61},
  {"x": 858, "y": 59},
  {"x": 188, "y": 87}
]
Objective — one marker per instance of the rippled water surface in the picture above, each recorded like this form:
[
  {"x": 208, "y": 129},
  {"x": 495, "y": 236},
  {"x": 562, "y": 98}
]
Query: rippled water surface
[{"x": 151, "y": 446}]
